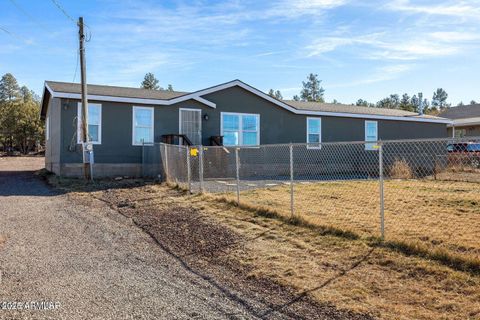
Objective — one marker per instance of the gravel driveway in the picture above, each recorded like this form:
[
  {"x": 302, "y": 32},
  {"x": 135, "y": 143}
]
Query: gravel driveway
[{"x": 89, "y": 263}]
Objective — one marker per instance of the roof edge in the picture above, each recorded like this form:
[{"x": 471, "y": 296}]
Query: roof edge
[{"x": 197, "y": 95}]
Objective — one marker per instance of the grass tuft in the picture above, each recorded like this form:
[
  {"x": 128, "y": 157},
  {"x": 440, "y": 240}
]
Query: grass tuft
[
  {"x": 292, "y": 220},
  {"x": 445, "y": 257},
  {"x": 464, "y": 263}
]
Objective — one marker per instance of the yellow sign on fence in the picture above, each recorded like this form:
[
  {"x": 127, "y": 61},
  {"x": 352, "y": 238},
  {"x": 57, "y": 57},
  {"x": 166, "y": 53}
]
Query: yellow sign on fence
[{"x": 194, "y": 152}]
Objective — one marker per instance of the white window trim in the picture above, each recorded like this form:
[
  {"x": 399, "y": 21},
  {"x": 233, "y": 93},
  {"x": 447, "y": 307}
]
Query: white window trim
[
  {"x": 47, "y": 128},
  {"x": 79, "y": 117},
  {"x": 371, "y": 145},
  {"x": 240, "y": 125},
  {"x": 312, "y": 145},
  {"x": 180, "y": 119},
  {"x": 151, "y": 124}
]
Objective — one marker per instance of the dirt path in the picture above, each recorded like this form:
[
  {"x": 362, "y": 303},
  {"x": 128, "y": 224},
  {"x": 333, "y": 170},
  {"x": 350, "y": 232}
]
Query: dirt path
[{"x": 93, "y": 263}]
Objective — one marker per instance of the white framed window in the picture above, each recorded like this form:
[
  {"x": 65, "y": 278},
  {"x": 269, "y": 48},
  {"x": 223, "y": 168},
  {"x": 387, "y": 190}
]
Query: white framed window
[
  {"x": 240, "y": 129},
  {"x": 371, "y": 134},
  {"x": 142, "y": 125},
  {"x": 47, "y": 128},
  {"x": 314, "y": 133},
  {"x": 94, "y": 117}
]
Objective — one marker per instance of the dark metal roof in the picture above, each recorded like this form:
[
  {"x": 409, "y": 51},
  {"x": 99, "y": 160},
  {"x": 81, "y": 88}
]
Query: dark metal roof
[
  {"x": 462, "y": 112},
  {"x": 124, "y": 92},
  {"x": 345, "y": 108},
  {"x": 138, "y": 93}
]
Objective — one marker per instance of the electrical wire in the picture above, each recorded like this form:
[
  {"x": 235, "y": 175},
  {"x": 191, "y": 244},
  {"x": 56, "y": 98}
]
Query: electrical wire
[
  {"x": 59, "y": 6},
  {"x": 28, "y": 15},
  {"x": 15, "y": 35}
]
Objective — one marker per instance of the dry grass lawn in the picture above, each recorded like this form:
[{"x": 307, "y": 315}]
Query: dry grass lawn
[
  {"x": 352, "y": 274},
  {"x": 438, "y": 215}
]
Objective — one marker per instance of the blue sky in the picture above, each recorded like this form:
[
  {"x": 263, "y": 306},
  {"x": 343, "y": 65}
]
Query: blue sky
[{"x": 360, "y": 49}]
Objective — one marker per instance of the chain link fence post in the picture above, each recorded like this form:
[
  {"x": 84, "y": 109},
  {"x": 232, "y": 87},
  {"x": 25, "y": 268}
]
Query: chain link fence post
[
  {"x": 189, "y": 171},
  {"x": 382, "y": 199},
  {"x": 143, "y": 159},
  {"x": 200, "y": 168},
  {"x": 237, "y": 167},
  {"x": 292, "y": 211},
  {"x": 166, "y": 162}
]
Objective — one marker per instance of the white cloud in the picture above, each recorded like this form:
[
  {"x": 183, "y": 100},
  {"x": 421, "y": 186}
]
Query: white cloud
[
  {"x": 298, "y": 8},
  {"x": 450, "y": 8},
  {"x": 388, "y": 46},
  {"x": 454, "y": 36},
  {"x": 381, "y": 74}
]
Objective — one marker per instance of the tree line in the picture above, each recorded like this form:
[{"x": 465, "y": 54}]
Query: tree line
[
  {"x": 20, "y": 126},
  {"x": 314, "y": 92}
]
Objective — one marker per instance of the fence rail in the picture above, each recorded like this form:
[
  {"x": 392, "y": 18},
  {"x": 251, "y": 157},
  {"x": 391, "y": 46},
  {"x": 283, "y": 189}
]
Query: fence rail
[{"x": 422, "y": 191}]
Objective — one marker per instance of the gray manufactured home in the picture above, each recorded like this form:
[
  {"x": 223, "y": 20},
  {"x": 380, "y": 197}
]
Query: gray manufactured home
[{"x": 121, "y": 119}]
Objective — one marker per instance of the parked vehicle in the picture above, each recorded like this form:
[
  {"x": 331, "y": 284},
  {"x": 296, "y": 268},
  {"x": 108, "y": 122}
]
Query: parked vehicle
[{"x": 465, "y": 153}]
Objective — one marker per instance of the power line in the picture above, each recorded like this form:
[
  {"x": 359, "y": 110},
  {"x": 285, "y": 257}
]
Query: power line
[
  {"x": 76, "y": 67},
  {"x": 59, "y": 6},
  {"x": 65, "y": 13},
  {"x": 15, "y": 35},
  {"x": 32, "y": 18},
  {"x": 6, "y": 31}
]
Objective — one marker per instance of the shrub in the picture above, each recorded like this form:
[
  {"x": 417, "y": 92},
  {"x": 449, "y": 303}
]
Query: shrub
[{"x": 400, "y": 169}]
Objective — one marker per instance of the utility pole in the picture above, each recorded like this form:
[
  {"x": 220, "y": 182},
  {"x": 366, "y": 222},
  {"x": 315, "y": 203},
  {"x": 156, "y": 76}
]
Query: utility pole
[{"x": 84, "y": 120}]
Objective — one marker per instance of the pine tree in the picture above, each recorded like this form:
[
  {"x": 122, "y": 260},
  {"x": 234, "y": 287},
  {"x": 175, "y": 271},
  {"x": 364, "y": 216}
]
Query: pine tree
[
  {"x": 278, "y": 95},
  {"x": 9, "y": 89},
  {"x": 275, "y": 94},
  {"x": 440, "y": 99},
  {"x": 406, "y": 103},
  {"x": 150, "y": 82},
  {"x": 20, "y": 124},
  {"x": 170, "y": 87},
  {"x": 362, "y": 103},
  {"x": 312, "y": 91}
]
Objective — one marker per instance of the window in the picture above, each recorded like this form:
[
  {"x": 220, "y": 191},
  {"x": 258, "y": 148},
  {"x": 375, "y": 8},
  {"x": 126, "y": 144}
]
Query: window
[
  {"x": 142, "y": 125},
  {"x": 371, "y": 134},
  {"x": 240, "y": 129},
  {"x": 460, "y": 133},
  {"x": 314, "y": 133},
  {"x": 94, "y": 117}
]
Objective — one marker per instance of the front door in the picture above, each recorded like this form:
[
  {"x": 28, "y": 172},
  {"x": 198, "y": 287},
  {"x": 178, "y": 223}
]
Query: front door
[{"x": 191, "y": 124}]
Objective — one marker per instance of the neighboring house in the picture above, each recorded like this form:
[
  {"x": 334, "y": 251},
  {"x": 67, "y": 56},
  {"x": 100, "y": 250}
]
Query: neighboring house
[
  {"x": 465, "y": 120},
  {"x": 121, "y": 119}
]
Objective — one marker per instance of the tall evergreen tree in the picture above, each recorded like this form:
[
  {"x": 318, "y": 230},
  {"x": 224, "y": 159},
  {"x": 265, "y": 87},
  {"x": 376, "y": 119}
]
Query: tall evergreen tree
[
  {"x": 391, "y": 102},
  {"x": 20, "y": 124},
  {"x": 170, "y": 87},
  {"x": 275, "y": 94},
  {"x": 150, "y": 82},
  {"x": 439, "y": 99},
  {"x": 312, "y": 90},
  {"x": 9, "y": 89},
  {"x": 362, "y": 103},
  {"x": 406, "y": 103}
]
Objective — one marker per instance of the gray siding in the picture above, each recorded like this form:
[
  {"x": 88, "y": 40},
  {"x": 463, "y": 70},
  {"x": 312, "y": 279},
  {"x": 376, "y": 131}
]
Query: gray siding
[
  {"x": 472, "y": 131},
  {"x": 277, "y": 125},
  {"x": 53, "y": 151}
]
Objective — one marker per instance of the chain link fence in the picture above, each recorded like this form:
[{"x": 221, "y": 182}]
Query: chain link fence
[{"x": 419, "y": 192}]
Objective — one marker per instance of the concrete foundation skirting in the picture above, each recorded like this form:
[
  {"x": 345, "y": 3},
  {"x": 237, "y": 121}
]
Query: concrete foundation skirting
[{"x": 101, "y": 170}]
